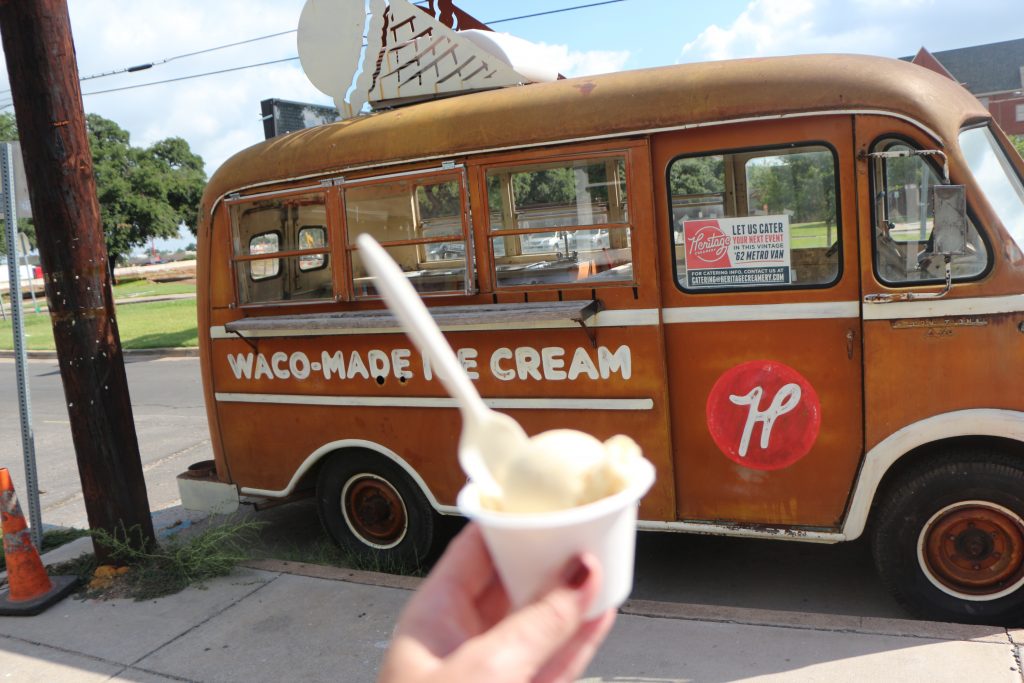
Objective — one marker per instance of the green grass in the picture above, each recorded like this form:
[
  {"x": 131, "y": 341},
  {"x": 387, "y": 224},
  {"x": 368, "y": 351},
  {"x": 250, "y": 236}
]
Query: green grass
[
  {"x": 140, "y": 288},
  {"x": 154, "y": 325},
  {"x": 128, "y": 289},
  {"x": 811, "y": 235}
]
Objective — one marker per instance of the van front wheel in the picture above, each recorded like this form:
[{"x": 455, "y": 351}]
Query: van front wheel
[
  {"x": 949, "y": 541},
  {"x": 374, "y": 511}
]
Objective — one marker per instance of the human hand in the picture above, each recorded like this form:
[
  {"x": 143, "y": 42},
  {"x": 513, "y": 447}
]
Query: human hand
[{"x": 458, "y": 626}]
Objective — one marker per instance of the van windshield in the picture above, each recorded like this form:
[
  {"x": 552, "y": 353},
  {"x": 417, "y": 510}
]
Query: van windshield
[{"x": 997, "y": 178}]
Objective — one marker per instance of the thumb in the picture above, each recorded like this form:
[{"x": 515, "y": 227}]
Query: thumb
[{"x": 519, "y": 646}]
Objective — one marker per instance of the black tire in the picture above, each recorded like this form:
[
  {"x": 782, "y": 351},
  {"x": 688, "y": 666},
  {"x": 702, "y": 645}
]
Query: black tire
[
  {"x": 948, "y": 539},
  {"x": 374, "y": 511}
]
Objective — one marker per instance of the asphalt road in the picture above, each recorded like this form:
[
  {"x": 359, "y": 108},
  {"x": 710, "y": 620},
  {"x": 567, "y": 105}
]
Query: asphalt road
[
  {"x": 170, "y": 422},
  {"x": 172, "y": 430}
]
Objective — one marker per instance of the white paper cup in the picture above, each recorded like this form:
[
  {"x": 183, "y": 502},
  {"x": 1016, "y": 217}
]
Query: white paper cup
[{"x": 531, "y": 550}]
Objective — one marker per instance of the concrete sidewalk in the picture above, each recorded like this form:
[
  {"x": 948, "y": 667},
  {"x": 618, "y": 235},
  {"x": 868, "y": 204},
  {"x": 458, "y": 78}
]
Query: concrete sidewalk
[{"x": 274, "y": 620}]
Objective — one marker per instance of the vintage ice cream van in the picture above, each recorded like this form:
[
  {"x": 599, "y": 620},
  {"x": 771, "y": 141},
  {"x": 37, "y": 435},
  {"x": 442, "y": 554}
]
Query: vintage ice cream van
[{"x": 742, "y": 265}]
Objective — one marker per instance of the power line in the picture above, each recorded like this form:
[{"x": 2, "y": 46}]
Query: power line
[
  {"x": 278, "y": 61},
  {"x": 554, "y": 11},
  {"x": 185, "y": 78},
  {"x": 150, "y": 65}
]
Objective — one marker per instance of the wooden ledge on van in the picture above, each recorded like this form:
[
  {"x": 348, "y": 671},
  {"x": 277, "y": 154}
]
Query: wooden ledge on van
[{"x": 450, "y": 317}]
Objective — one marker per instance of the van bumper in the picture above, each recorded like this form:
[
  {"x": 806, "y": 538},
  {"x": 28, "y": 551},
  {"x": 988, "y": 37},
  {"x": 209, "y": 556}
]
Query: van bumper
[{"x": 201, "y": 491}]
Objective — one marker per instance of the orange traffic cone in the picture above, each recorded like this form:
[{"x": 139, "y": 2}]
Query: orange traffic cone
[{"x": 29, "y": 589}]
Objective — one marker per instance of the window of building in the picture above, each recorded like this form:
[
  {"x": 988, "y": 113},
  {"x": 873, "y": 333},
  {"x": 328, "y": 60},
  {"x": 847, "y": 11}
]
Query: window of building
[
  {"x": 293, "y": 228},
  {"x": 755, "y": 219},
  {"x": 904, "y": 218},
  {"x": 559, "y": 223},
  {"x": 420, "y": 223},
  {"x": 1020, "y": 112}
]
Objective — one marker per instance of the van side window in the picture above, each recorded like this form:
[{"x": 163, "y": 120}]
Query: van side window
[
  {"x": 904, "y": 214},
  {"x": 419, "y": 222},
  {"x": 292, "y": 227},
  {"x": 755, "y": 219},
  {"x": 312, "y": 237},
  {"x": 564, "y": 222},
  {"x": 265, "y": 243}
]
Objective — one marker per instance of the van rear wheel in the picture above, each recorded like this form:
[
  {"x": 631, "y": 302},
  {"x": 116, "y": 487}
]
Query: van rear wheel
[
  {"x": 949, "y": 540},
  {"x": 374, "y": 511}
]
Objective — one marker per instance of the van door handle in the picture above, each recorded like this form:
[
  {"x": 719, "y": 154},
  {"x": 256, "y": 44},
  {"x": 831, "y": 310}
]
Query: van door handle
[{"x": 850, "y": 336}]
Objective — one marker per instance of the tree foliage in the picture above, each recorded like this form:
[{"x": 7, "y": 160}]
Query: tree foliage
[
  {"x": 146, "y": 192},
  {"x": 802, "y": 183},
  {"x": 8, "y": 128},
  {"x": 143, "y": 193},
  {"x": 697, "y": 176},
  {"x": 9, "y": 132},
  {"x": 1018, "y": 142}
]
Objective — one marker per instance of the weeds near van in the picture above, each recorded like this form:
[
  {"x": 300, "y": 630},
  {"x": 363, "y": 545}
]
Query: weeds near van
[
  {"x": 172, "y": 566},
  {"x": 326, "y": 552},
  {"x": 82, "y": 566}
]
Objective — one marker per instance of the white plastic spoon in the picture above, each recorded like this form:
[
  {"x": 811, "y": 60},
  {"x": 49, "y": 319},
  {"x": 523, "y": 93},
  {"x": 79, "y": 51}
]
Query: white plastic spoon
[{"x": 488, "y": 438}]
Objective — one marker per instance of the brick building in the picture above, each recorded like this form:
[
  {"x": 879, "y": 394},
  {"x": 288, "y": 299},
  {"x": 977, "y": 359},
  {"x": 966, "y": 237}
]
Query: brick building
[{"x": 993, "y": 72}]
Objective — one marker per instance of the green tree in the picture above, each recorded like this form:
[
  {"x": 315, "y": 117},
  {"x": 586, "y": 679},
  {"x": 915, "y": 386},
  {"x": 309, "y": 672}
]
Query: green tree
[
  {"x": 697, "y": 176},
  {"x": 9, "y": 132},
  {"x": 8, "y": 128},
  {"x": 144, "y": 193},
  {"x": 1018, "y": 142},
  {"x": 803, "y": 183}
]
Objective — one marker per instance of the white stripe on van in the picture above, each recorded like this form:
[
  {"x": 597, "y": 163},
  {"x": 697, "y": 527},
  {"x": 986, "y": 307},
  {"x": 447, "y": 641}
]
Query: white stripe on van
[
  {"x": 640, "y": 317},
  {"x": 626, "y": 404},
  {"x": 706, "y": 314},
  {"x": 940, "y": 308},
  {"x": 722, "y": 314}
]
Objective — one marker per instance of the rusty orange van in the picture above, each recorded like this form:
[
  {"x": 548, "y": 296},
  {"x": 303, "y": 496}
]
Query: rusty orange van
[{"x": 736, "y": 263}]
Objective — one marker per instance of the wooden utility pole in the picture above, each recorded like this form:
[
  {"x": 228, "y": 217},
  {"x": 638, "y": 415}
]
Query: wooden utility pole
[{"x": 58, "y": 164}]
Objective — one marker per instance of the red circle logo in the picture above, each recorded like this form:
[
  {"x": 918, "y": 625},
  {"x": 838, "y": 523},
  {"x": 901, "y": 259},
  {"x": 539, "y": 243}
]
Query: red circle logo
[
  {"x": 763, "y": 415},
  {"x": 708, "y": 243}
]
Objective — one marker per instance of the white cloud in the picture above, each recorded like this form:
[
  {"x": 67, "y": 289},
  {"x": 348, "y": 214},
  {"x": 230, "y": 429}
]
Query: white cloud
[
  {"x": 218, "y": 115},
  {"x": 576, "y": 63},
  {"x": 891, "y": 28},
  {"x": 209, "y": 112}
]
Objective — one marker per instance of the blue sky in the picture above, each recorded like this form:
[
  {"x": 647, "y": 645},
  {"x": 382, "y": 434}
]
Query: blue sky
[{"x": 219, "y": 115}]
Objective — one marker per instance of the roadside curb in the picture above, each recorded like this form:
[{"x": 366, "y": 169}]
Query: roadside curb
[
  {"x": 331, "y": 573},
  {"x": 809, "y": 621},
  {"x": 186, "y": 352}
]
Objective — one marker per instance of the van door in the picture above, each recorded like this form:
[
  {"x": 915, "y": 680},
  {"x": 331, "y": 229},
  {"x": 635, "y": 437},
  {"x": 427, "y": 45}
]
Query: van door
[{"x": 760, "y": 286}]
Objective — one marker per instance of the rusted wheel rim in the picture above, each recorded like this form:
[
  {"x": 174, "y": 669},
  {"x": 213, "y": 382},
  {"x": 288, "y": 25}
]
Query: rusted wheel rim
[
  {"x": 974, "y": 550},
  {"x": 374, "y": 511}
]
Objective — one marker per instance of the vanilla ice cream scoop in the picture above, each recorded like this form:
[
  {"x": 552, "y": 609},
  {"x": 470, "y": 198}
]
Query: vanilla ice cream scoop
[{"x": 561, "y": 469}]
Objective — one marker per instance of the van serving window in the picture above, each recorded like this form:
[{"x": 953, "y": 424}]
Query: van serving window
[
  {"x": 420, "y": 223},
  {"x": 293, "y": 228},
  {"x": 755, "y": 219},
  {"x": 564, "y": 222}
]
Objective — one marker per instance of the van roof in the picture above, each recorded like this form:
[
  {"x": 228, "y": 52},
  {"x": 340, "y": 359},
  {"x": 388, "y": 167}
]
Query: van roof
[{"x": 580, "y": 108}]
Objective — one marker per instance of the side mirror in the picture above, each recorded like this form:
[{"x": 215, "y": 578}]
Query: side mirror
[{"x": 949, "y": 235}]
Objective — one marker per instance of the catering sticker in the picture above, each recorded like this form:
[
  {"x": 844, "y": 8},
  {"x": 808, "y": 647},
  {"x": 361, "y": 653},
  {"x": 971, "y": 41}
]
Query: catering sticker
[
  {"x": 737, "y": 252},
  {"x": 763, "y": 415}
]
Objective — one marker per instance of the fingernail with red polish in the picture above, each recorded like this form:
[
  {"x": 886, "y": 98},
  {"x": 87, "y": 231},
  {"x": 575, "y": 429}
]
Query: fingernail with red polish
[{"x": 576, "y": 573}]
